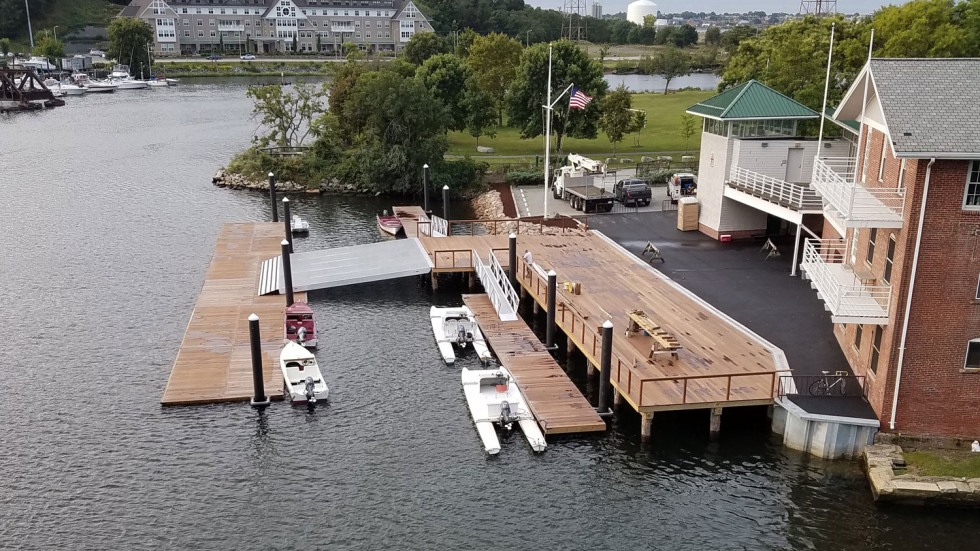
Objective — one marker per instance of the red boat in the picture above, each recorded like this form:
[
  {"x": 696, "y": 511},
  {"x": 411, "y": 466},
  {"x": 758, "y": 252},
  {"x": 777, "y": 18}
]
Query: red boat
[
  {"x": 390, "y": 224},
  {"x": 299, "y": 325}
]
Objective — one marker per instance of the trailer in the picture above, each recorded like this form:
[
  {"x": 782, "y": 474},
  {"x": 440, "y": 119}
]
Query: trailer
[{"x": 575, "y": 183}]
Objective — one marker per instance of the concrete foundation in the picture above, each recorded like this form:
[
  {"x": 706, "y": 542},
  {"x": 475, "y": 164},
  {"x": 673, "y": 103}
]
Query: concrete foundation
[{"x": 824, "y": 436}]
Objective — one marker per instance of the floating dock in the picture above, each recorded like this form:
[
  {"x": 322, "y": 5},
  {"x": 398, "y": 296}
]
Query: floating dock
[
  {"x": 213, "y": 362},
  {"x": 553, "y": 398}
]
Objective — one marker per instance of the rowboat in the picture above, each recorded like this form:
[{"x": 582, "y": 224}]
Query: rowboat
[
  {"x": 390, "y": 224},
  {"x": 494, "y": 399},
  {"x": 457, "y": 327}
]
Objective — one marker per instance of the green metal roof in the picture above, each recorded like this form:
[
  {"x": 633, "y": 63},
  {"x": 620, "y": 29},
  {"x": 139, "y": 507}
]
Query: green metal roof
[
  {"x": 849, "y": 125},
  {"x": 752, "y": 100}
]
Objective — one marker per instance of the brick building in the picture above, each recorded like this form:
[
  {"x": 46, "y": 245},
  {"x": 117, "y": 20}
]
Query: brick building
[{"x": 277, "y": 26}]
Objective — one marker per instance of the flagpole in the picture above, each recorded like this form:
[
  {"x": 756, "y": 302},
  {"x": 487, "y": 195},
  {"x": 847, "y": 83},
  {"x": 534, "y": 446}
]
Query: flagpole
[
  {"x": 826, "y": 87},
  {"x": 547, "y": 141}
]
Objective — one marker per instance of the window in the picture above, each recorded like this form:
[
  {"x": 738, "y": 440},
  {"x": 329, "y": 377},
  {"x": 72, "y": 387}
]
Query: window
[
  {"x": 187, "y": 33},
  {"x": 200, "y": 22},
  {"x": 858, "y": 331},
  {"x": 714, "y": 126},
  {"x": 876, "y": 350},
  {"x": 872, "y": 236},
  {"x": 901, "y": 176},
  {"x": 881, "y": 160},
  {"x": 971, "y": 199},
  {"x": 200, "y": 33},
  {"x": 854, "y": 247},
  {"x": 972, "y": 355},
  {"x": 867, "y": 153},
  {"x": 212, "y": 34},
  {"x": 889, "y": 259}
]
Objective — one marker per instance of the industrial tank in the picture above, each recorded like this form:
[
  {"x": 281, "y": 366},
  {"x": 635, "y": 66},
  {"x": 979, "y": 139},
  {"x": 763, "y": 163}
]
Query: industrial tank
[{"x": 636, "y": 11}]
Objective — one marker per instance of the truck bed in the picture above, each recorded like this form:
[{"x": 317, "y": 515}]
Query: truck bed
[
  {"x": 589, "y": 198},
  {"x": 589, "y": 192}
]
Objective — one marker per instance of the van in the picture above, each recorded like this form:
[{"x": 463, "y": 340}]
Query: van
[{"x": 682, "y": 184}]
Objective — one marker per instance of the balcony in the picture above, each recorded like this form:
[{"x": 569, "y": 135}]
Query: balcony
[
  {"x": 850, "y": 297},
  {"x": 849, "y": 204},
  {"x": 772, "y": 195}
]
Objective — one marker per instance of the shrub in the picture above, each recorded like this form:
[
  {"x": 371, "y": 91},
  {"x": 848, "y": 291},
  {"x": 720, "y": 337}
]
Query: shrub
[{"x": 524, "y": 177}]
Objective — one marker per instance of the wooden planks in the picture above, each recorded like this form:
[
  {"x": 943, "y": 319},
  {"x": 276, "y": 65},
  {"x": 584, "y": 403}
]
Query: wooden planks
[
  {"x": 410, "y": 217},
  {"x": 554, "y": 400},
  {"x": 213, "y": 363}
]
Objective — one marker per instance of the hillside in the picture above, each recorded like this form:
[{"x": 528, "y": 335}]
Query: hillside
[{"x": 67, "y": 15}]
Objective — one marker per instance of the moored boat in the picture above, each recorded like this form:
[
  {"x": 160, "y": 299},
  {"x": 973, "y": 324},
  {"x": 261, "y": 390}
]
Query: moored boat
[
  {"x": 299, "y": 325},
  {"x": 390, "y": 224},
  {"x": 457, "y": 327},
  {"x": 157, "y": 83},
  {"x": 301, "y": 375},
  {"x": 495, "y": 399},
  {"x": 298, "y": 225}
]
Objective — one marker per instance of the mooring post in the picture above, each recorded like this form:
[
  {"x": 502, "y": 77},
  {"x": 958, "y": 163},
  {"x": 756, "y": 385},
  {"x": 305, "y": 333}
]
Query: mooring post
[
  {"x": 606, "y": 364},
  {"x": 434, "y": 277},
  {"x": 287, "y": 272},
  {"x": 259, "y": 399},
  {"x": 445, "y": 204},
  {"x": 512, "y": 260},
  {"x": 590, "y": 371},
  {"x": 425, "y": 189},
  {"x": 287, "y": 222},
  {"x": 552, "y": 301},
  {"x": 646, "y": 426},
  {"x": 715, "y": 428},
  {"x": 569, "y": 345},
  {"x": 617, "y": 399},
  {"x": 272, "y": 196}
]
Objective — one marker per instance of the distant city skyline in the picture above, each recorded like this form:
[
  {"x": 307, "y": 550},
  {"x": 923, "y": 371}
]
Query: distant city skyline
[{"x": 719, "y": 6}]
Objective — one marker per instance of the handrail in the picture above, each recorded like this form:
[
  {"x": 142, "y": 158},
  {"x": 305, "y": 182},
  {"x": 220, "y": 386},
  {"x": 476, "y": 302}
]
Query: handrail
[
  {"x": 844, "y": 297},
  {"x": 797, "y": 196},
  {"x": 453, "y": 253},
  {"x": 440, "y": 227},
  {"x": 836, "y": 181},
  {"x": 496, "y": 283},
  {"x": 803, "y": 385}
]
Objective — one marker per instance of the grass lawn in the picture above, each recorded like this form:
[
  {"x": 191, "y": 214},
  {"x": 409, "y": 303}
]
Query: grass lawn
[
  {"x": 944, "y": 463},
  {"x": 662, "y": 133}
]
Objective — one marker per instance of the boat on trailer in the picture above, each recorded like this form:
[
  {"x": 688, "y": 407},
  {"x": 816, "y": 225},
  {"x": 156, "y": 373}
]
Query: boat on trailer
[
  {"x": 299, "y": 325},
  {"x": 495, "y": 399},
  {"x": 457, "y": 327},
  {"x": 390, "y": 224},
  {"x": 301, "y": 375}
]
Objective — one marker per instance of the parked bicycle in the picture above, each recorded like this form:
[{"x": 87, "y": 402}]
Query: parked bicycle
[{"x": 826, "y": 384}]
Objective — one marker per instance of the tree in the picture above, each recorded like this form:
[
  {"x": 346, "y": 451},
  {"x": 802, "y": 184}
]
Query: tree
[
  {"x": 616, "y": 116},
  {"x": 527, "y": 93},
  {"x": 924, "y": 28},
  {"x": 464, "y": 41},
  {"x": 493, "y": 59},
  {"x": 734, "y": 36},
  {"x": 5, "y": 44},
  {"x": 287, "y": 116},
  {"x": 48, "y": 47},
  {"x": 422, "y": 46},
  {"x": 445, "y": 77},
  {"x": 603, "y": 52},
  {"x": 670, "y": 63},
  {"x": 638, "y": 121},
  {"x": 712, "y": 36},
  {"x": 128, "y": 40},
  {"x": 689, "y": 126},
  {"x": 480, "y": 111}
]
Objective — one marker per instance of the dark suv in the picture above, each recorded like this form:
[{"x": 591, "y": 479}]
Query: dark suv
[{"x": 633, "y": 191}]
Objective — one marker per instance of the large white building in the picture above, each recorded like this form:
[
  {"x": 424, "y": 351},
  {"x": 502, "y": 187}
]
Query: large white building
[{"x": 273, "y": 26}]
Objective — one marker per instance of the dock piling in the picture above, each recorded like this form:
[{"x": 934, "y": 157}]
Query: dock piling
[
  {"x": 425, "y": 189},
  {"x": 287, "y": 272},
  {"x": 646, "y": 426},
  {"x": 715, "y": 428},
  {"x": 445, "y": 202},
  {"x": 512, "y": 259},
  {"x": 272, "y": 197},
  {"x": 287, "y": 221},
  {"x": 259, "y": 399},
  {"x": 606, "y": 359},
  {"x": 552, "y": 300}
]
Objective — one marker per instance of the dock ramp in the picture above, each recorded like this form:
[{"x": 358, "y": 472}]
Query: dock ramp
[{"x": 348, "y": 266}]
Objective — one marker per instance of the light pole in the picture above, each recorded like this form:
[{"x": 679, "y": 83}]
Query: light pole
[
  {"x": 56, "y": 32},
  {"x": 527, "y": 38}
]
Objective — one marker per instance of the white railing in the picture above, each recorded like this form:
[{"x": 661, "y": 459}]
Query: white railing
[
  {"x": 497, "y": 285},
  {"x": 774, "y": 190},
  {"x": 835, "y": 180},
  {"x": 849, "y": 298},
  {"x": 440, "y": 227}
]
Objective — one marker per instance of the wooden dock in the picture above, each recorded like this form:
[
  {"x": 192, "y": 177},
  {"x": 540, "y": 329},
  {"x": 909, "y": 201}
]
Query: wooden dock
[
  {"x": 410, "y": 217},
  {"x": 213, "y": 363},
  {"x": 554, "y": 400},
  {"x": 455, "y": 254}
]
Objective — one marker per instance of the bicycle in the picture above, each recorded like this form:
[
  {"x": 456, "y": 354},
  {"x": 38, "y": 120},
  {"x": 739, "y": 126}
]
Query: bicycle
[{"x": 824, "y": 386}]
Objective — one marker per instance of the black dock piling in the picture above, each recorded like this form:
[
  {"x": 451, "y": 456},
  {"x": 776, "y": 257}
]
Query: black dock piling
[
  {"x": 272, "y": 196},
  {"x": 425, "y": 189},
  {"x": 606, "y": 365},
  {"x": 287, "y": 273},
  {"x": 259, "y": 399},
  {"x": 552, "y": 300},
  {"x": 445, "y": 203},
  {"x": 512, "y": 260},
  {"x": 287, "y": 222}
]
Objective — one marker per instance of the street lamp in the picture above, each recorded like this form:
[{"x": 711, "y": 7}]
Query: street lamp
[
  {"x": 56, "y": 32},
  {"x": 527, "y": 40}
]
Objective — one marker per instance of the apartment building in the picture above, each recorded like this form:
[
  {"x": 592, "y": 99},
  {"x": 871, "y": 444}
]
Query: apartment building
[{"x": 278, "y": 26}]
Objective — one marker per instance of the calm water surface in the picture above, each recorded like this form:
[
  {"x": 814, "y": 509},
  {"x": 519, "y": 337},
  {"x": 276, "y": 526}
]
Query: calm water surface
[
  {"x": 107, "y": 225},
  {"x": 655, "y": 83}
]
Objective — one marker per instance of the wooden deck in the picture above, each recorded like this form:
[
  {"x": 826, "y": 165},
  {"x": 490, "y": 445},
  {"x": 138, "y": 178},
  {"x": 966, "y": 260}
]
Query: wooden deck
[
  {"x": 455, "y": 254},
  {"x": 214, "y": 362},
  {"x": 554, "y": 400},
  {"x": 410, "y": 217}
]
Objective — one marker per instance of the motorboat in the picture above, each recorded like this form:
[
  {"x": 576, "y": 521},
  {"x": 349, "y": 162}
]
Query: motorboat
[
  {"x": 120, "y": 76},
  {"x": 64, "y": 88},
  {"x": 157, "y": 83},
  {"x": 172, "y": 81},
  {"x": 495, "y": 399},
  {"x": 457, "y": 327},
  {"x": 390, "y": 224},
  {"x": 93, "y": 86},
  {"x": 299, "y": 325},
  {"x": 301, "y": 375},
  {"x": 298, "y": 225}
]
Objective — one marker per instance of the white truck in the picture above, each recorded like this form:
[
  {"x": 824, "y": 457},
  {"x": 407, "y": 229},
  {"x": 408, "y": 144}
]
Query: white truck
[
  {"x": 682, "y": 184},
  {"x": 575, "y": 183}
]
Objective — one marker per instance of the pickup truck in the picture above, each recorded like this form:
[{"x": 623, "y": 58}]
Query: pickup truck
[{"x": 633, "y": 191}]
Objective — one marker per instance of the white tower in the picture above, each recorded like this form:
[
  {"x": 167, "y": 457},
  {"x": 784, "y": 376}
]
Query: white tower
[
  {"x": 636, "y": 11},
  {"x": 596, "y": 9}
]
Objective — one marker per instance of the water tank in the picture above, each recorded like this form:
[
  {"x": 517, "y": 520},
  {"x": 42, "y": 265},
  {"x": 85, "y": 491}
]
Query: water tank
[{"x": 636, "y": 11}]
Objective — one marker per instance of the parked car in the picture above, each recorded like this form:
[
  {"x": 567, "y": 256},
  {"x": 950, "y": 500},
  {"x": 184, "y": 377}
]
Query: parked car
[
  {"x": 214, "y": 57},
  {"x": 633, "y": 191},
  {"x": 248, "y": 57},
  {"x": 682, "y": 184}
]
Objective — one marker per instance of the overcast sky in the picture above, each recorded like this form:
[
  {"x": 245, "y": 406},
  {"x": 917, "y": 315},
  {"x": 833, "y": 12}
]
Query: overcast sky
[{"x": 720, "y": 6}]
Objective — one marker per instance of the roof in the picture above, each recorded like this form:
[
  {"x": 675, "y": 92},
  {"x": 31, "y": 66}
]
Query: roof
[
  {"x": 752, "y": 100},
  {"x": 852, "y": 126},
  {"x": 932, "y": 106}
]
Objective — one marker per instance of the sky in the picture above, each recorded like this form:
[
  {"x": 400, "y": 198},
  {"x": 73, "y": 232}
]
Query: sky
[{"x": 721, "y": 6}]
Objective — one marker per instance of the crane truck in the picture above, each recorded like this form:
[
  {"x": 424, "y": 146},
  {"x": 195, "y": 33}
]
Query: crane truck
[{"x": 575, "y": 183}]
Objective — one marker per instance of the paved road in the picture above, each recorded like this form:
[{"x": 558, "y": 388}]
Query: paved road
[{"x": 530, "y": 199}]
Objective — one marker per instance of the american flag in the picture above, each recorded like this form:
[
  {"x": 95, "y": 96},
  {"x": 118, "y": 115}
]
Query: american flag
[{"x": 579, "y": 99}]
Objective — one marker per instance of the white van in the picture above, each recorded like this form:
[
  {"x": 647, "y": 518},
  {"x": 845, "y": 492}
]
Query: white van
[{"x": 682, "y": 184}]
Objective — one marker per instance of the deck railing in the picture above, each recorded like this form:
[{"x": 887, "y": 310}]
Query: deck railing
[
  {"x": 496, "y": 283},
  {"x": 794, "y": 196},
  {"x": 686, "y": 390},
  {"x": 835, "y": 179},
  {"x": 455, "y": 256},
  {"x": 844, "y": 292},
  {"x": 823, "y": 385}
]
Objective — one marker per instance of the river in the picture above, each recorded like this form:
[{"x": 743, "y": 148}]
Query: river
[
  {"x": 107, "y": 225},
  {"x": 655, "y": 83}
]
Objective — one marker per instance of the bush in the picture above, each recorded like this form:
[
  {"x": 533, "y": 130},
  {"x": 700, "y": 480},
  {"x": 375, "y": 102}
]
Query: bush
[
  {"x": 524, "y": 177},
  {"x": 464, "y": 175}
]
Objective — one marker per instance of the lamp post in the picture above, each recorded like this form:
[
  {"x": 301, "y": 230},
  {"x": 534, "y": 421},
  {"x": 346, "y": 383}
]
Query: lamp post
[
  {"x": 527, "y": 38},
  {"x": 56, "y": 32}
]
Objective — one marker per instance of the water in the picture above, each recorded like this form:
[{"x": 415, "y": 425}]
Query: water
[
  {"x": 106, "y": 229},
  {"x": 655, "y": 83}
]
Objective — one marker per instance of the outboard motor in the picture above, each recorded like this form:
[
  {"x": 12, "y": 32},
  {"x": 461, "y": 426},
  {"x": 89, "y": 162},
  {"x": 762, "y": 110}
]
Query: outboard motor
[
  {"x": 461, "y": 336},
  {"x": 301, "y": 335},
  {"x": 506, "y": 418},
  {"x": 310, "y": 393}
]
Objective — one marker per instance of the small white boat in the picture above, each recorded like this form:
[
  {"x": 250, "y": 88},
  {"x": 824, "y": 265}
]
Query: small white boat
[
  {"x": 494, "y": 398},
  {"x": 157, "y": 83},
  {"x": 172, "y": 81},
  {"x": 457, "y": 326},
  {"x": 301, "y": 375},
  {"x": 93, "y": 86},
  {"x": 298, "y": 225},
  {"x": 129, "y": 84},
  {"x": 63, "y": 88}
]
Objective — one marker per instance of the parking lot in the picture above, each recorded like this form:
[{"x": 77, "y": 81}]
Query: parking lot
[{"x": 529, "y": 200}]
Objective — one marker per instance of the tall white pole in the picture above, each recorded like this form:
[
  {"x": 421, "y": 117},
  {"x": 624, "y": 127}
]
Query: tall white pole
[
  {"x": 826, "y": 87},
  {"x": 864, "y": 103},
  {"x": 27, "y": 7},
  {"x": 547, "y": 139}
]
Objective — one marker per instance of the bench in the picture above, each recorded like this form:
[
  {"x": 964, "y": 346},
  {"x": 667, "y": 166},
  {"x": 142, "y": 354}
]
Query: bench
[
  {"x": 654, "y": 252},
  {"x": 663, "y": 341}
]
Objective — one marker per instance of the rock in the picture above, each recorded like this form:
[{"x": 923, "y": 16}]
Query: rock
[
  {"x": 626, "y": 161},
  {"x": 645, "y": 159},
  {"x": 609, "y": 160},
  {"x": 484, "y": 149}
]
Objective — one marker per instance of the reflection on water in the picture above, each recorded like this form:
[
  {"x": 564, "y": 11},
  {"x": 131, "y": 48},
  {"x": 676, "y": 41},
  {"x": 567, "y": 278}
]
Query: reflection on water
[
  {"x": 655, "y": 83},
  {"x": 107, "y": 226}
]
